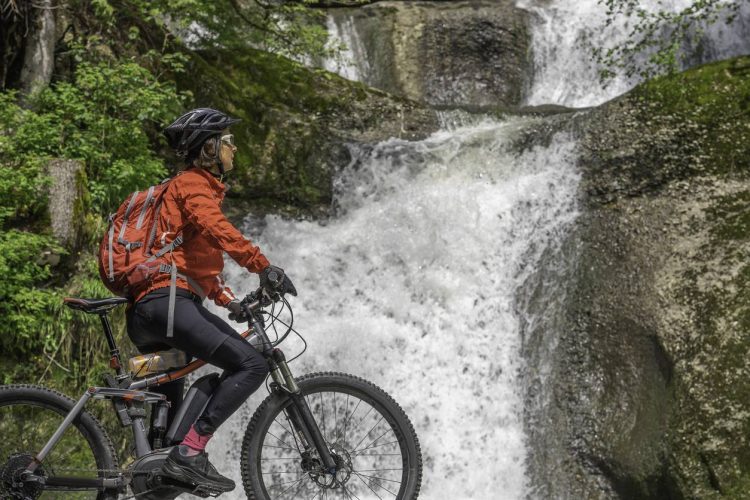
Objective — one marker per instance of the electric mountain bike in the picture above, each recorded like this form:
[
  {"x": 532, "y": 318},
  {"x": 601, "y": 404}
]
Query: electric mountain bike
[{"x": 323, "y": 435}]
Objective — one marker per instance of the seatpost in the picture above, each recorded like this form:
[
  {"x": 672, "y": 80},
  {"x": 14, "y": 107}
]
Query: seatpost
[{"x": 114, "y": 352}]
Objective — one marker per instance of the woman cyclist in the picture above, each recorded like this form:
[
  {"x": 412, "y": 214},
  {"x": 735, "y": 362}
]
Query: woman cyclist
[{"x": 191, "y": 209}]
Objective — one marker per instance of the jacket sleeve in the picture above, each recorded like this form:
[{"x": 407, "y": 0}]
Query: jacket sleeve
[
  {"x": 220, "y": 293},
  {"x": 202, "y": 209}
]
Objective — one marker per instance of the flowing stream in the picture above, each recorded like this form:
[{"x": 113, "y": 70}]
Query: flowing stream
[{"x": 413, "y": 283}]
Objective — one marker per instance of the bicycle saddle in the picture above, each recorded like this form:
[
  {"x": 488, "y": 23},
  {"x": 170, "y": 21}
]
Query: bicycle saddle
[{"x": 94, "y": 305}]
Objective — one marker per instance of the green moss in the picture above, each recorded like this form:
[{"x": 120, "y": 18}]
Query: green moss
[
  {"x": 281, "y": 104},
  {"x": 710, "y": 105},
  {"x": 731, "y": 217}
]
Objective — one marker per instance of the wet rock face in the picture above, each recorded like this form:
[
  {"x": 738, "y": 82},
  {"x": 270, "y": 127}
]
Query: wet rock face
[
  {"x": 649, "y": 390},
  {"x": 470, "y": 53},
  {"x": 296, "y": 123}
]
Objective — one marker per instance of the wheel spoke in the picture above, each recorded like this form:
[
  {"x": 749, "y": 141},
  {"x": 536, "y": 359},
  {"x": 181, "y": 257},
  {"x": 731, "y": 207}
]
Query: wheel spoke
[
  {"x": 361, "y": 420},
  {"x": 367, "y": 446},
  {"x": 372, "y": 447},
  {"x": 368, "y": 432},
  {"x": 346, "y": 408},
  {"x": 377, "y": 483},
  {"x": 366, "y": 484},
  {"x": 294, "y": 436},
  {"x": 349, "y": 493},
  {"x": 278, "y": 485},
  {"x": 323, "y": 413},
  {"x": 292, "y": 486},
  {"x": 335, "y": 416},
  {"x": 280, "y": 440},
  {"x": 346, "y": 420}
]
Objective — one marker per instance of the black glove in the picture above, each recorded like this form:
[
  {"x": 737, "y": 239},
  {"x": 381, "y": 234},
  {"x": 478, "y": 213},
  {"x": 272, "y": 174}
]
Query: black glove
[
  {"x": 274, "y": 280},
  {"x": 236, "y": 313}
]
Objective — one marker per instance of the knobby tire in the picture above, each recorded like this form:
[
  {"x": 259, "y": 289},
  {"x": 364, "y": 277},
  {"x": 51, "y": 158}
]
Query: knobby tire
[{"x": 271, "y": 410}]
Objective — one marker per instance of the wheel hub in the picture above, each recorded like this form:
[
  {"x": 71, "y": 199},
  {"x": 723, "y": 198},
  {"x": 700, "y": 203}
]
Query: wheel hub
[
  {"x": 326, "y": 479},
  {"x": 11, "y": 482}
]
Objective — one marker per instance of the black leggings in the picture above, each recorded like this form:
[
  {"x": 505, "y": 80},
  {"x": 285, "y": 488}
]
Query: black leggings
[{"x": 205, "y": 336}]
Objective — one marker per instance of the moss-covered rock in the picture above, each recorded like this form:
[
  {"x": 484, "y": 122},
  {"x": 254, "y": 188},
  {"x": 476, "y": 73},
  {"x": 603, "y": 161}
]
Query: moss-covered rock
[
  {"x": 650, "y": 385},
  {"x": 467, "y": 53},
  {"x": 296, "y": 123}
]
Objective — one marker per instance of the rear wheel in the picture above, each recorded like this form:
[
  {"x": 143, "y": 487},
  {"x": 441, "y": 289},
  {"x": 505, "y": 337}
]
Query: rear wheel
[
  {"x": 369, "y": 435},
  {"x": 29, "y": 416}
]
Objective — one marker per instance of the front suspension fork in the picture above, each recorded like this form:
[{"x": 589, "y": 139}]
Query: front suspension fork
[{"x": 299, "y": 413}]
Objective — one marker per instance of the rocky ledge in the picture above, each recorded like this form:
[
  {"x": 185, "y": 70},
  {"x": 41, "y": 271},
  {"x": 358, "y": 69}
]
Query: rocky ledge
[{"x": 646, "y": 392}]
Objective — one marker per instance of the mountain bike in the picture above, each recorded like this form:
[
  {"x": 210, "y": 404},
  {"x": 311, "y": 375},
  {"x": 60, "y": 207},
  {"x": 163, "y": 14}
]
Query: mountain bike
[{"x": 323, "y": 435}]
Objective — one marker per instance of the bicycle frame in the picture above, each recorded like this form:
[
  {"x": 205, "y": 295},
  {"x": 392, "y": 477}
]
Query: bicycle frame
[{"x": 131, "y": 392}]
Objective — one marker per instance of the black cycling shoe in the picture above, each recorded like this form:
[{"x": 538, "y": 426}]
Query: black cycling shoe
[{"x": 196, "y": 470}]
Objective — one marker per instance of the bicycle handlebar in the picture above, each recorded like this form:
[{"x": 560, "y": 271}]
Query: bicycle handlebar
[{"x": 257, "y": 299}]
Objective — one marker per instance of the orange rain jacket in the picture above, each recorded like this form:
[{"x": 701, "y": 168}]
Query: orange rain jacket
[{"x": 192, "y": 205}]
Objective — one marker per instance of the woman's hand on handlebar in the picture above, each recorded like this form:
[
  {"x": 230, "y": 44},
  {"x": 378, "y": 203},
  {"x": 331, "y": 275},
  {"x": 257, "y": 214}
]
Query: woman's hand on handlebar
[
  {"x": 236, "y": 311},
  {"x": 264, "y": 296},
  {"x": 275, "y": 281}
]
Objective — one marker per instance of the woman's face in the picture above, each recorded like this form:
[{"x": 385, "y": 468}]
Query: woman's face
[{"x": 227, "y": 150}]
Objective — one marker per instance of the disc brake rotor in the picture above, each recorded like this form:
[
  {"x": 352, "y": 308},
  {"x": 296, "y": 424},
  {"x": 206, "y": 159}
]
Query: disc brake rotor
[{"x": 325, "y": 479}]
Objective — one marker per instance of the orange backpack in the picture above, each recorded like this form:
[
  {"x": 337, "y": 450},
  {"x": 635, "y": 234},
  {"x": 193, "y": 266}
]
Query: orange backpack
[
  {"x": 125, "y": 259},
  {"x": 126, "y": 262}
]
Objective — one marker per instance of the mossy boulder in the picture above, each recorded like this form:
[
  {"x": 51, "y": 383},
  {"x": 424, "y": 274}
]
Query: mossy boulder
[
  {"x": 649, "y": 391},
  {"x": 296, "y": 124}
]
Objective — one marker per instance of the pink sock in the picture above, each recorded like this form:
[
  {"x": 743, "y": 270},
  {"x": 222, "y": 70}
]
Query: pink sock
[{"x": 195, "y": 441}]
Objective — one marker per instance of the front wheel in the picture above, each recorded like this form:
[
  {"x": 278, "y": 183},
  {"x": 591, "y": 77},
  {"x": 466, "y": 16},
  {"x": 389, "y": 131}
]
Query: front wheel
[{"x": 369, "y": 436}]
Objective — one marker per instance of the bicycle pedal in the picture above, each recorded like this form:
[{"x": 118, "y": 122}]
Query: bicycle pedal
[{"x": 207, "y": 492}]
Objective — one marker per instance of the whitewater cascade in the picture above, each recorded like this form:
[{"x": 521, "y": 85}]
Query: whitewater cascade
[
  {"x": 412, "y": 287},
  {"x": 564, "y": 32}
]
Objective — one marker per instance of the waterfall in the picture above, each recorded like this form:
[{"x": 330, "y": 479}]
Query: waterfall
[
  {"x": 414, "y": 282},
  {"x": 412, "y": 285},
  {"x": 352, "y": 53},
  {"x": 564, "y": 32}
]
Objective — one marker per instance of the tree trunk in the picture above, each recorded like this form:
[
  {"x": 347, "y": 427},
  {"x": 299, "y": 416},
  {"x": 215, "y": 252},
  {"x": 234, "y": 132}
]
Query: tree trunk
[
  {"x": 67, "y": 200},
  {"x": 39, "y": 56}
]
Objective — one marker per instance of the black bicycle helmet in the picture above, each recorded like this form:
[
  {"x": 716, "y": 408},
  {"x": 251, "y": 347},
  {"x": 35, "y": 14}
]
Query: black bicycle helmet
[{"x": 190, "y": 131}]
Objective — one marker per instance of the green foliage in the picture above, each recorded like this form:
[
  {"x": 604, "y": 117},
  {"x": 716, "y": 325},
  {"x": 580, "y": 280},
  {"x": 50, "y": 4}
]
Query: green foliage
[
  {"x": 287, "y": 28},
  {"x": 660, "y": 41},
  {"x": 107, "y": 117},
  {"x": 25, "y": 304},
  {"x": 99, "y": 118}
]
